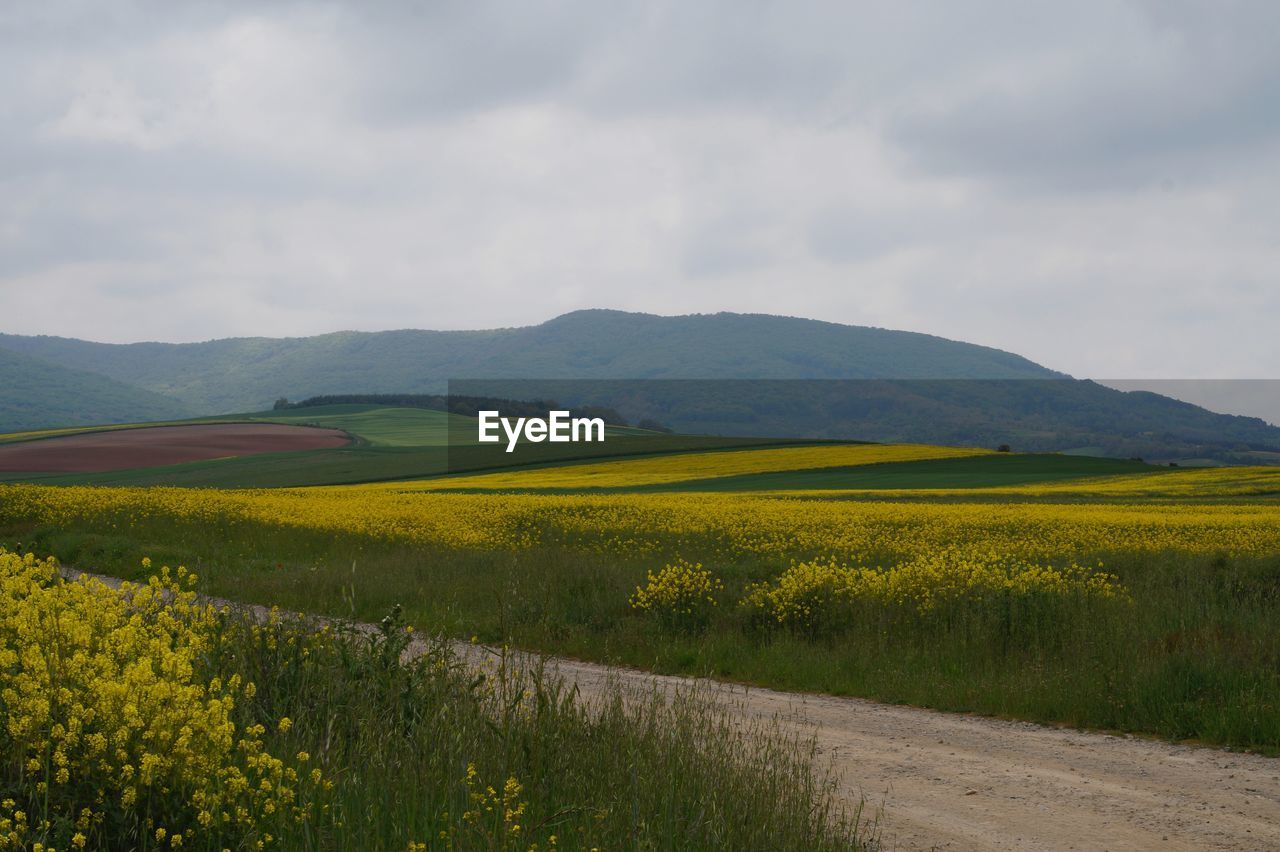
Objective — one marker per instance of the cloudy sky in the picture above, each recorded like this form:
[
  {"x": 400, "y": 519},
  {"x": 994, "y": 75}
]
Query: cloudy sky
[{"x": 1093, "y": 185}]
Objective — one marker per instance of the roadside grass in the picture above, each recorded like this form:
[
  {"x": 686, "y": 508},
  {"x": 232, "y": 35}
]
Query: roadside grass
[
  {"x": 416, "y": 748},
  {"x": 409, "y": 751},
  {"x": 1195, "y": 656}
]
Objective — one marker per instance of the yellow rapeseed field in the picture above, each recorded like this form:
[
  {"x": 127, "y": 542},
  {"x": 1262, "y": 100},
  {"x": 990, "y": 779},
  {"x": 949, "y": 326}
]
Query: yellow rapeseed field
[
  {"x": 683, "y": 467},
  {"x": 1213, "y": 482},
  {"x": 703, "y": 527},
  {"x": 803, "y": 595}
]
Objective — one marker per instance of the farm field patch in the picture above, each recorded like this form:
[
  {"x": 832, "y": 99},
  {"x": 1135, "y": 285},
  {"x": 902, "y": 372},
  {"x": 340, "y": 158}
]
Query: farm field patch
[
  {"x": 684, "y": 467},
  {"x": 376, "y": 426},
  {"x": 391, "y": 444},
  {"x": 133, "y": 448},
  {"x": 942, "y": 473}
]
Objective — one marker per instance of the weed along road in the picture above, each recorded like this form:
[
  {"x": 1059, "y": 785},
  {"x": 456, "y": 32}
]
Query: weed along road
[{"x": 951, "y": 781}]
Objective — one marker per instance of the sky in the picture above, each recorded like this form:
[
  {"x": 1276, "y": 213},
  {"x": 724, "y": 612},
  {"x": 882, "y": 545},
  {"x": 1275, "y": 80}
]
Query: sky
[{"x": 1094, "y": 185}]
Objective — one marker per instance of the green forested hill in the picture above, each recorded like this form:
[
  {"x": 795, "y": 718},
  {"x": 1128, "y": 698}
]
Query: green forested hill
[
  {"x": 37, "y": 394},
  {"x": 923, "y": 401},
  {"x": 1032, "y": 415},
  {"x": 241, "y": 374}
]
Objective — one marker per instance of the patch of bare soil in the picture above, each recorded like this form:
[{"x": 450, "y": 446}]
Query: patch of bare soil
[{"x": 152, "y": 446}]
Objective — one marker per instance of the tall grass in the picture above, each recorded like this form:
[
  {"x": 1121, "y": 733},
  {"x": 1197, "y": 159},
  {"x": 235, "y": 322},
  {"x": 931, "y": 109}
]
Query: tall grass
[
  {"x": 1196, "y": 656},
  {"x": 419, "y": 750},
  {"x": 425, "y": 750}
]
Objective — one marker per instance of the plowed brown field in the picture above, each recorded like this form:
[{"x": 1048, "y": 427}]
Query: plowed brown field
[{"x": 159, "y": 445}]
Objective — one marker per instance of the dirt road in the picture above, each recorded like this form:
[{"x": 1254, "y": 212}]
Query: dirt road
[
  {"x": 949, "y": 781},
  {"x": 953, "y": 782}
]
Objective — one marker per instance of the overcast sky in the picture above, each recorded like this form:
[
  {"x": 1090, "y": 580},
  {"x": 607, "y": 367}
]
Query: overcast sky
[{"x": 1092, "y": 185}]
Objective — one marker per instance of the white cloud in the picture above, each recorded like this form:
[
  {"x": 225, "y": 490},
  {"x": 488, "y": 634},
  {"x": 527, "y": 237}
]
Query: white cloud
[{"x": 1093, "y": 186}]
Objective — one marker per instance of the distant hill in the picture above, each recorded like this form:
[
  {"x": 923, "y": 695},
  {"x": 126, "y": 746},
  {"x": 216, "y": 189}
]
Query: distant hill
[
  {"x": 1044, "y": 410},
  {"x": 242, "y": 374},
  {"x": 1031, "y": 415},
  {"x": 37, "y": 395}
]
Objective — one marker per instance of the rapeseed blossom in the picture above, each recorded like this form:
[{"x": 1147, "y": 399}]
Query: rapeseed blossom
[
  {"x": 682, "y": 594},
  {"x": 713, "y": 527},
  {"x": 113, "y": 724},
  {"x": 808, "y": 596}
]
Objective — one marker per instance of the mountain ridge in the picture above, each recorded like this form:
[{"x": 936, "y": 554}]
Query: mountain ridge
[
  {"x": 910, "y": 393},
  {"x": 595, "y": 343}
]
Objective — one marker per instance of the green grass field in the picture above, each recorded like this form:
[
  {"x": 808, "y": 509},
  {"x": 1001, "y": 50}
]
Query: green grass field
[
  {"x": 393, "y": 444},
  {"x": 351, "y": 465},
  {"x": 41, "y": 434},
  {"x": 412, "y": 443},
  {"x": 376, "y": 426}
]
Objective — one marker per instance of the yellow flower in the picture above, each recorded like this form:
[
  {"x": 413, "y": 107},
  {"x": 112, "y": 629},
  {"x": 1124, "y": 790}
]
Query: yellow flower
[
  {"x": 682, "y": 592},
  {"x": 110, "y": 696}
]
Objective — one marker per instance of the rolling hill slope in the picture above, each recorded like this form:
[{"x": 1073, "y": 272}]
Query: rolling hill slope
[
  {"x": 1032, "y": 415},
  {"x": 912, "y": 387},
  {"x": 37, "y": 394},
  {"x": 245, "y": 374}
]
